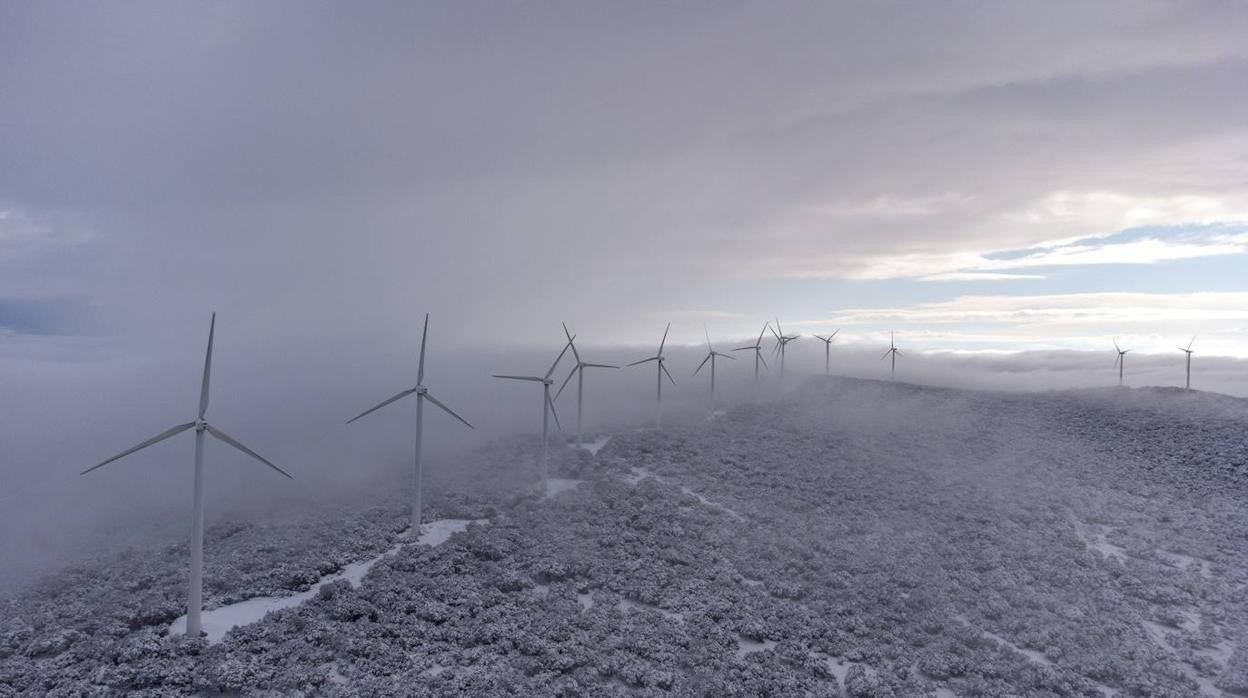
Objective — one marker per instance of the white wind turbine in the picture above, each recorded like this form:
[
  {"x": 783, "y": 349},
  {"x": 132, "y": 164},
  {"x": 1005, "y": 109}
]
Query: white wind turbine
[
  {"x": 662, "y": 370},
  {"x": 422, "y": 394},
  {"x": 895, "y": 352},
  {"x": 1188, "y": 351},
  {"x": 711, "y": 355},
  {"x": 1121, "y": 359},
  {"x": 757, "y": 346},
  {"x": 827, "y": 350},
  {"x": 548, "y": 406},
  {"x": 195, "y": 588},
  {"x": 782, "y": 343},
  {"x": 579, "y": 371}
]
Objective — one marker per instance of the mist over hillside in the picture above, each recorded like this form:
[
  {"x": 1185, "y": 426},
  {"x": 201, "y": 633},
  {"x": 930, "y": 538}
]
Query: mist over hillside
[
  {"x": 291, "y": 404},
  {"x": 850, "y": 536}
]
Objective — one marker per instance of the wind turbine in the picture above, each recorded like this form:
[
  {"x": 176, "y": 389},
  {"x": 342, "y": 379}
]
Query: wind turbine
[
  {"x": 662, "y": 370},
  {"x": 195, "y": 588},
  {"x": 1188, "y": 351},
  {"x": 782, "y": 342},
  {"x": 579, "y": 371},
  {"x": 1121, "y": 360},
  {"x": 827, "y": 351},
  {"x": 757, "y": 346},
  {"x": 422, "y": 394},
  {"x": 711, "y": 355},
  {"x": 895, "y": 352},
  {"x": 548, "y": 406}
]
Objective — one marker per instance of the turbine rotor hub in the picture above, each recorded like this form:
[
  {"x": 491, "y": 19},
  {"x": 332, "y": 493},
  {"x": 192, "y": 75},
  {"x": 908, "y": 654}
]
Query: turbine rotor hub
[
  {"x": 422, "y": 390},
  {"x": 201, "y": 424}
]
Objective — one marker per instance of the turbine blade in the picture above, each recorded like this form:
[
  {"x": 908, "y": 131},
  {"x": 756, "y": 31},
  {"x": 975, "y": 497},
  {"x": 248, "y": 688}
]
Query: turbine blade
[
  {"x": 774, "y": 333},
  {"x": 553, "y": 413},
  {"x": 667, "y": 373},
  {"x": 724, "y": 356},
  {"x": 370, "y": 410},
  {"x": 420, "y": 372},
  {"x": 154, "y": 440},
  {"x": 575, "y": 353},
  {"x": 230, "y": 440},
  {"x": 838, "y": 331},
  {"x": 699, "y": 368},
  {"x": 599, "y": 366},
  {"x": 664, "y": 342},
  {"x": 559, "y": 358},
  {"x": 886, "y": 354},
  {"x": 708, "y": 337},
  {"x": 638, "y": 363},
  {"x": 764, "y": 361},
  {"x": 1189, "y": 344},
  {"x": 819, "y": 336},
  {"x": 521, "y": 378},
  {"x": 742, "y": 348},
  {"x": 565, "y": 380},
  {"x": 766, "y": 326},
  {"x": 203, "y": 388},
  {"x": 448, "y": 410}
]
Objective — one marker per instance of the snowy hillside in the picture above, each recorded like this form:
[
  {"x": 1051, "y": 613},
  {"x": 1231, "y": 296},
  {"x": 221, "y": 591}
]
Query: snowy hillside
[{"x": 855, "y": 538}]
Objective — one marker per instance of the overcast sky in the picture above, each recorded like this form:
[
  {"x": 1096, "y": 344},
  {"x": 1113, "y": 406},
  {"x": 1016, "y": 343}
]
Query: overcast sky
[{"x": 975, "y": 176}]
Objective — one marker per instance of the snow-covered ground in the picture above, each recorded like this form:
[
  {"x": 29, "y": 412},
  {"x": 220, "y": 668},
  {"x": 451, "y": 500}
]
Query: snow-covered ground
[
  {"x": 853, "y": 538},
  {"x": 218, "y": 621}
]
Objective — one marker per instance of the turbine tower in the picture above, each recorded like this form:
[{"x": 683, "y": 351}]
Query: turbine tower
[
  {"x": 195, "y": 588},
  {"x": 895, "y": 352},
  {"x": 782, "y": 343},
  {"x": 1188, "y": 351},
  {"x": 1121, "y": 360},
  {"x": 422, "y": 394},
  {"x": 662, "y": 371},
  {"x": 579, "y": 371},
  {"x": 757, "y": 346},
  {"x": 827, "y": 350},
  {"x": 548, "y": 407},
  {"x": 711, "y": 355}
]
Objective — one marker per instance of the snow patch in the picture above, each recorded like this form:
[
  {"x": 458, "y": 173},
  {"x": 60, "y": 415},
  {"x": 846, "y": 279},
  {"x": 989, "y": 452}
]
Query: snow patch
[
  {"x": 640, "y": 474},
  {"x": 219, "y": 621},
  {"x": 555, "y": 485},
  {"x": 629, "y": 605},
  {"x": 747, "y": 645},
  {"x": 595, "y": 446},
  {"x": 1035, "y": 656}
]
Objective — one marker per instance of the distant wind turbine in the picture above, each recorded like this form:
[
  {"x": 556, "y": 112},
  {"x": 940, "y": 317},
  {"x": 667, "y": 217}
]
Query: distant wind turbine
[
  {"x": 757, "y": 347},
  {"x": 782, "y": 343},
  {"x": 827, "y": 350},
  {"x": 662, "y": 371},
  {"x": 1121, "y": 360},
  {"x": 579, "y": 371},
  {"x": 422, "y": 394},
  {"x": 895, "y": 352},
  {"x": 548, "y": 407},
  {"x": 1188, "y": 351},
  {"x": 195, "y": 589},
  {"x": 711, "y": 355}
]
